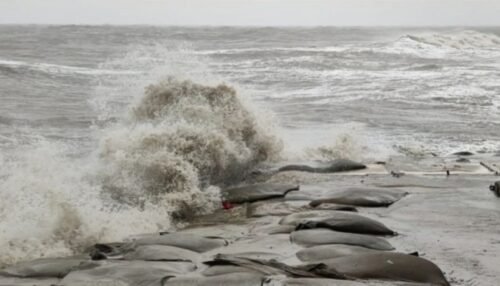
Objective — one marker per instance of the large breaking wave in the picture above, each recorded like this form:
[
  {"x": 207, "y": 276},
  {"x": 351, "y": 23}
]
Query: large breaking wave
[
  {"x": 183, "y": 136},
  {"x": 164, "y": 158}
]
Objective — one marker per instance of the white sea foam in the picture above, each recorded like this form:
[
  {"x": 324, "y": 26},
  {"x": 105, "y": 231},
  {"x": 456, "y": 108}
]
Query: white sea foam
[
  {"x": 235, "y": 51},
  {"x": 439, "y": 45},
  {"x": 61, "y": 69},
  {"x": 335, "y": 141},
  {"x": 462, "y": 40},
  {"x": 51, "y": 205}
]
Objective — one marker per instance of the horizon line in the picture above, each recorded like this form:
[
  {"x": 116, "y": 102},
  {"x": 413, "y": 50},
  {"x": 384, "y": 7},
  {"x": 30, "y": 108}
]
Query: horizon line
[{"x": 249, "y": 26}]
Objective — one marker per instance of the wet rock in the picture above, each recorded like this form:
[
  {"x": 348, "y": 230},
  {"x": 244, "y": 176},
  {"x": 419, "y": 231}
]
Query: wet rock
[{"x": 495, "y": 188}]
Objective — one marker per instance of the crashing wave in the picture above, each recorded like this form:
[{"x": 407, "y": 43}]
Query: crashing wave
[
  {"x": 184, "y": 136},
  {"x": 161, "y": 162}
]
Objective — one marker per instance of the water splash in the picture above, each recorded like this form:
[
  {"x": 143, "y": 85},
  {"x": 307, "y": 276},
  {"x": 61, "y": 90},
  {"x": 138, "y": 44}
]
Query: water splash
[{"x": 158, "y": 155}]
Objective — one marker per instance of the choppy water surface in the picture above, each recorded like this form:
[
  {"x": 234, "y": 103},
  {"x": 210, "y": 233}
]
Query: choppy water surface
[{"x": 85, "y": 151}]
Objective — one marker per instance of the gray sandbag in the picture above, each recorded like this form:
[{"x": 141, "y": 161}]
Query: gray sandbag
[
  {"x": 48, "y": 267},
  {"x": 388, "y": 266},
  {"x": 128, "y": 273},
  {"x": 188, "y": 241},
  {"x": 338, "y": 165},
  {"x": 313, "y": 237},
  {"x": 363, "y": 197},
  {"x": 231, "y": 279},
  {"x": 330, "y": 251},
  {"x": 346, "y": 222},
  {"x": 256, "y": 192}
]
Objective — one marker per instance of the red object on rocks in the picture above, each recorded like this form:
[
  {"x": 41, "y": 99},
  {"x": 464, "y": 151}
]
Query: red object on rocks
[{"x": 227, "y": 205}]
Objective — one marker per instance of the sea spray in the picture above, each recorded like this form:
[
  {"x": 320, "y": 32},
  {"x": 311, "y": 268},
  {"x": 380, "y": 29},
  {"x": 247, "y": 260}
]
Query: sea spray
[
  {"x": 344, "y": 147},
  {"x": 183, "y": 137},
  {"x": 166, "y": 156},
  {"x": 327, "y": 142}
]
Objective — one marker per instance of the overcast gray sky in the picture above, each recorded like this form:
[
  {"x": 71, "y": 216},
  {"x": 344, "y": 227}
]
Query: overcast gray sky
[{"x": 254, "y": 12}]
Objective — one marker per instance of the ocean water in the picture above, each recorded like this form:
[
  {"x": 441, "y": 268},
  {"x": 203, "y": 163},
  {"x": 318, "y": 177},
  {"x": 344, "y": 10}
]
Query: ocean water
[{"x": 110, "y": 131}]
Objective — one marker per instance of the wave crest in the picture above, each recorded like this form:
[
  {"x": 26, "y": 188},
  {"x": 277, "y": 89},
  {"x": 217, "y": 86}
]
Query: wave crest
[{"x": 460, "y": 40}]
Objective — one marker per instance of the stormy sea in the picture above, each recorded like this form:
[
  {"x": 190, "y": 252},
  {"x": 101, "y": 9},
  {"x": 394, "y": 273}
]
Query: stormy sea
[{"x": 107, "y": 131}]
